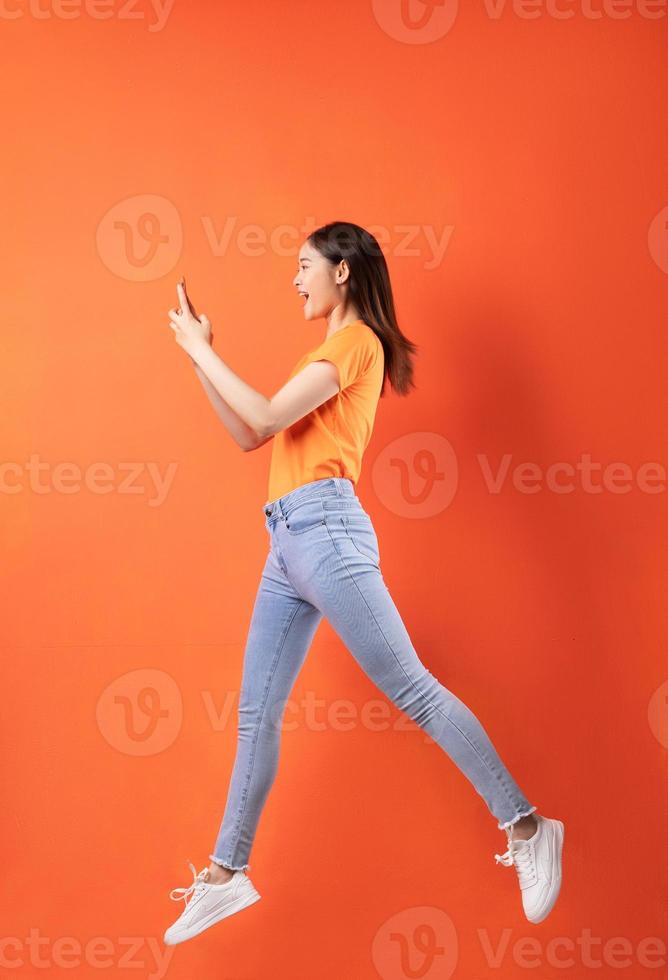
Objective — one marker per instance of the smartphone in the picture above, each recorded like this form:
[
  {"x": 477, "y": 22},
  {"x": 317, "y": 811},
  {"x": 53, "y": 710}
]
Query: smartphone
[{"x": 190, "y": 306}]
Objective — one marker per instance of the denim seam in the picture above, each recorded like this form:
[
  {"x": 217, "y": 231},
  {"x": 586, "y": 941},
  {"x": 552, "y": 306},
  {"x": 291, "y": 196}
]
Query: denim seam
[
  {"x": 371, "y": 558},
  {"x": 237, "y": 831},
  {"x": 422, "y": 695},
  {"x": 287, "y": 576}
]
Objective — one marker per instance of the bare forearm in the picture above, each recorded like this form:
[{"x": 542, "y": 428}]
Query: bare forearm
[
  {"x": 249, "y": 405},
  {"x": 242, "y": 433}
]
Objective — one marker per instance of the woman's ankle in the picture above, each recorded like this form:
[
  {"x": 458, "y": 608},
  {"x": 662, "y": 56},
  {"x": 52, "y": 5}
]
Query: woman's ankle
[
  {"x": 218, "y": 875},
  {"x": 526, "y": 827}
]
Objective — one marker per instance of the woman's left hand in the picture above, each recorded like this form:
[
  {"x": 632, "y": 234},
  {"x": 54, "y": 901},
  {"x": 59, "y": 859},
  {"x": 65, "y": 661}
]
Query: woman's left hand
[{"x": 189, "y": 330}]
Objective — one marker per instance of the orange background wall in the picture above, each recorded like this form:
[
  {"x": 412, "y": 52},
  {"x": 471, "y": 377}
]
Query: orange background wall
[{"x": 534, "y": 150}]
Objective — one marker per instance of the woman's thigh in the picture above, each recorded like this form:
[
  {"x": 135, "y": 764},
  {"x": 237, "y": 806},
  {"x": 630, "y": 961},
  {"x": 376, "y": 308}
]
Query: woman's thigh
[
  {"x": 282, "y": 627},
  {"x": 335, "y": 565}
]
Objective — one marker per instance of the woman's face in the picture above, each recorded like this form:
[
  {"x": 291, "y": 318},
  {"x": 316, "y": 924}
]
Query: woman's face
[{"x": 319, "y": 281}]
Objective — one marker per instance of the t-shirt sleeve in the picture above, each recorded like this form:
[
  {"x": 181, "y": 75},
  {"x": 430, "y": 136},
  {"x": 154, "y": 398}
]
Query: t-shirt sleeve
[{"x": 351, "y": 353}]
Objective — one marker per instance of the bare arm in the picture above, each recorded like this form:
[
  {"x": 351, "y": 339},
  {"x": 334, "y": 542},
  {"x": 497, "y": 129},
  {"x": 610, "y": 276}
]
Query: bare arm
[
  {"x": 250, "y": 417},
  {"x": 242, "y": 434},
  {"x": 309, "y": 388}
]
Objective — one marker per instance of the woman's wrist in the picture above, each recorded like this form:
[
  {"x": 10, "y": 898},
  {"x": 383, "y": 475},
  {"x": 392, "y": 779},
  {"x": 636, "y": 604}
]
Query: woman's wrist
[{"x": 195, "y": 363}]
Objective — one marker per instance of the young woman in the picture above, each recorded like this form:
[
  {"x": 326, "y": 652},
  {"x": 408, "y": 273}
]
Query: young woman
[{"x": 324, "y": 560}]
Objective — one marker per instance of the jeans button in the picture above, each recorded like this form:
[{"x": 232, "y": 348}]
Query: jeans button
[{"x": 268, "y": 511}]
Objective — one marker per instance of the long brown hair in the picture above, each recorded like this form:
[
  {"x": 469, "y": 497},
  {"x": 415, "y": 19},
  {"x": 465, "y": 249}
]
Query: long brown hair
[{"x": 371, "y": 292}]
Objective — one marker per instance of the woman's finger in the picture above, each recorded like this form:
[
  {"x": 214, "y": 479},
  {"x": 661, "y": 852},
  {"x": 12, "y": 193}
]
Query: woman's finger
[
  {"x": 183, "y": 300},
  {"x": 188, "y": 299}
]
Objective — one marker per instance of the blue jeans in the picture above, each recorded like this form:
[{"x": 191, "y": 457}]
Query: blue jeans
[{"x": 324, "y": 561}]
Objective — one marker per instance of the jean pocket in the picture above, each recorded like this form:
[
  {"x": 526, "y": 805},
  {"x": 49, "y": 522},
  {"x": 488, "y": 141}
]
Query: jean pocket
[
  {"x": 360, "y": 530},
  {"x": 352, "y": 532},
  {"x": 305, "y": 516}
]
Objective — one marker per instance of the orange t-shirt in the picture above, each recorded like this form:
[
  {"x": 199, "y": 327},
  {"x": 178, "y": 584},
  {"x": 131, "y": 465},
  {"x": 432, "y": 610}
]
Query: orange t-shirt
[{"x": 330, "y": 440}]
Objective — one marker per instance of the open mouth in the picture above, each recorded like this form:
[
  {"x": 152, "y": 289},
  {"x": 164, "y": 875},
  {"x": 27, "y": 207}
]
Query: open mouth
[{"x": 304, "y": 296}]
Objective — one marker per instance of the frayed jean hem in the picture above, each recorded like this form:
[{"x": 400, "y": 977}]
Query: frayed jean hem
[
  {"x": 509, "y": 823},
  {"x": 223, "y": 864}
]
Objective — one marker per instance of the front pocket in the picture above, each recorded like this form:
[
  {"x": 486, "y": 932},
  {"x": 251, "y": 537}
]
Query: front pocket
[
  {"x": 353, "y": 535},
  {"x": 305, "y": 516},
  {"x": 361, "y": 532}
]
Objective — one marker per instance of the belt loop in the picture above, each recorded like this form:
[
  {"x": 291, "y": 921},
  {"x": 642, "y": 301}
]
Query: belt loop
[{"x": 339, "y": 488}]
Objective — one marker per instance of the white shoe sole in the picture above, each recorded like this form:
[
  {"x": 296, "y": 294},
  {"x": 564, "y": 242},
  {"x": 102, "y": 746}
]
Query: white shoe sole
[
  {"x": 249, "y": 897},
  {"x": 557, "y": 844}
]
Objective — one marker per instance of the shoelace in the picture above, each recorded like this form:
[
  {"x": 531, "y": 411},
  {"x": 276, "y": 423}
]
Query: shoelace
[
  {"x": 196, "y": 888},
  {"x": 519, "y": 853}
]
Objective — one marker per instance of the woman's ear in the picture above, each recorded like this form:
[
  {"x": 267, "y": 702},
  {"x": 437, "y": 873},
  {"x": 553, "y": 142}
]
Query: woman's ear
[{"x": 343, "y": 272}]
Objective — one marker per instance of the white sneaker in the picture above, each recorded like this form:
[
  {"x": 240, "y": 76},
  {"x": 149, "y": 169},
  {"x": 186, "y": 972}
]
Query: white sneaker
[
  {"x": 538, "y": 865},
  {"x": 208, "y": 903}
]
